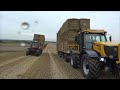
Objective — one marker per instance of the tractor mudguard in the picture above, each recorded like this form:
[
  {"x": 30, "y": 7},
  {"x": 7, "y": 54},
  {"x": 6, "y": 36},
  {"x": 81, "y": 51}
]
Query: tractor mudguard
[{"x": 91, "y": 53}]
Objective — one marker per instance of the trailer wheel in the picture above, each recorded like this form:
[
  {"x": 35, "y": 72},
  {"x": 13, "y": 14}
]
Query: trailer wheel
[
  {"x": 91, "y": 68},
  {"x": 61, "y": 54},
  {"x": 73, "y": 61},
  {"x": 27, "y": 52},
  {"x": 58, "y": 53},
  {"x": 66, "y": 57},
  {"x": 37, "y": 52}
]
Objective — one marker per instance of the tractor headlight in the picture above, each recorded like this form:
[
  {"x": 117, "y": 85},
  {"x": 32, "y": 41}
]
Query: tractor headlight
[
  {"x": 102, "y": 59},
  {"x": 111, "y": 57}
]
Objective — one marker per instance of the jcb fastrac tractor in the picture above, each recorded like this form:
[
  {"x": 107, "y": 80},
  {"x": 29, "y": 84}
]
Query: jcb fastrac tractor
[{"x": 95, "y": 53}]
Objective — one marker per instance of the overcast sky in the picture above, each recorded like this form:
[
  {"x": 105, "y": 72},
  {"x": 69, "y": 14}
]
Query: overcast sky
[{"x": 49, "y": 22}]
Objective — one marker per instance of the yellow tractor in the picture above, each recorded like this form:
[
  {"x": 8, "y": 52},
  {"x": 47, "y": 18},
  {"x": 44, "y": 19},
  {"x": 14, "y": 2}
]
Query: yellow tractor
[{"x": 95, "y": 53}]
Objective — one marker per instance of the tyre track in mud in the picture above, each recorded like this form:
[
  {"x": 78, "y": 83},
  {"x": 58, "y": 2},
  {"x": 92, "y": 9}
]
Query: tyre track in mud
[
  {"x": 15, "y": 67},
  {"x": 40, "y": 69},
  {"x": 55, "y": 70},
  {"x": 66, "y": 68},
  {"x": 44, "y": 68},
  {"x": 67, "y": 72},
  {"x": 10, "y": 55}
]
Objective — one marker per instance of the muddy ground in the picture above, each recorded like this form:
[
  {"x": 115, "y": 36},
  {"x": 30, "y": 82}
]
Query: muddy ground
[{"x": 14, "y": 64}]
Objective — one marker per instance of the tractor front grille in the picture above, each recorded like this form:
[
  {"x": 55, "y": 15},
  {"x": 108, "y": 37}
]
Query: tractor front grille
[{"x": 111, "y": 50}]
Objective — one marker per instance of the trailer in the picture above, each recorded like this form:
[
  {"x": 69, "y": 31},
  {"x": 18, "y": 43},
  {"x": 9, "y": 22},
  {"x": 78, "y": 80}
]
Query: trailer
[
  {"x": 40, "y": 39},
  {"x": 66, "y": 36}
]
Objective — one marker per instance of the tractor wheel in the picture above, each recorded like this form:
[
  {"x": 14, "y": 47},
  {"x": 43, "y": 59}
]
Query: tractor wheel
[
  {"x": 40, "y": 52},
  {"x": 91, "y": 68},
  {"x": 117, "y": 72},
  {"x": 37, "y": 52},
  {"x": 27, "y": 52},
  {"x": 73, "y": 61}
]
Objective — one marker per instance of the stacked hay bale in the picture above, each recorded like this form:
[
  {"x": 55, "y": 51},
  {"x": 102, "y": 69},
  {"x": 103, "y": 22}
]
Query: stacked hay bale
[{"x": 68, "y": 31}]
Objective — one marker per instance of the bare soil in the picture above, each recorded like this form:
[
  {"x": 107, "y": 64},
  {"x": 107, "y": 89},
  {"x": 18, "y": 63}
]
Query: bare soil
[{"x": 14, "y": 64}]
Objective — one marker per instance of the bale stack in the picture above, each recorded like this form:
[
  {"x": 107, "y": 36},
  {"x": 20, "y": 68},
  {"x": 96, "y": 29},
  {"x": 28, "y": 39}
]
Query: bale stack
[
  {"x": 84, "y": 24},
  {"x": 68, "y": 31},
  {"x": 40, "y": 38}
]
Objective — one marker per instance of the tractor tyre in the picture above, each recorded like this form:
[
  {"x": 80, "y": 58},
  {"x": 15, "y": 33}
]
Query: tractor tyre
[{"x": 91, "y": 67}]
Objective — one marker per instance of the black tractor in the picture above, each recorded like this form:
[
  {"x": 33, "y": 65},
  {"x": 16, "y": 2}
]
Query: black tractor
[{"x": 34, "y": 49}]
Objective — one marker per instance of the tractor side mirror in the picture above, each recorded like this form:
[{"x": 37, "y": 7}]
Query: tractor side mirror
[{"x": 110, "y": 38}]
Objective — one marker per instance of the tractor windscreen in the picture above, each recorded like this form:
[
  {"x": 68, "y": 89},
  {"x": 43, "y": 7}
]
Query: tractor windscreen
[
  {"x": 90, "y": 38},
  {"x": 35, "y": 44}
]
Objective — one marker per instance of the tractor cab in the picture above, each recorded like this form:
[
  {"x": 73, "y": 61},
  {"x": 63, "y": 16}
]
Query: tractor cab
[
  {"x": 92, "y": 36},
  {"x": 34, "y": 48},
  {"x": 95, "y": 40},
  {"x": 87, "y": 38},
  {"x": 35, "y": 44}
]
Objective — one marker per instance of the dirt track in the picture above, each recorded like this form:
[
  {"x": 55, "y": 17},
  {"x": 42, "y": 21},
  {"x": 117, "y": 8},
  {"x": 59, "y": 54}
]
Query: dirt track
[{"x": 16, "y": 65}]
